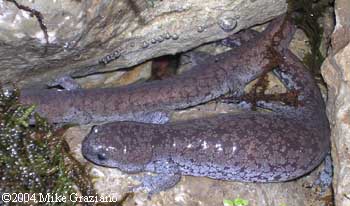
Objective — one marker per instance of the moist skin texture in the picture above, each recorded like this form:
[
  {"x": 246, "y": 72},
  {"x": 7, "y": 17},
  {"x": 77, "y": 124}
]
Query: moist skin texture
[
  {"x": 151, "y": 102},
  {"x": 280, "y": 145},
  {"x": 259, "y": 147}
]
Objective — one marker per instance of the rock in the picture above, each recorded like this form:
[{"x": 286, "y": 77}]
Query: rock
[
  {"x": 84, "y": 33},
  {"x": 137, "y": 73},
  {"x": 341, "y": 35},
  {"x": 327, "y": 24},
  {"x": 300, "y": 44},
  {"x": 336, "y": 73}
]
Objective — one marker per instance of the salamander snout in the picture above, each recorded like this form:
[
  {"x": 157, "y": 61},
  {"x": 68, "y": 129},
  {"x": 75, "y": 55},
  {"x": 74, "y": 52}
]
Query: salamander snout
[
  {"x": 96, "y": 151},
  {"x": 105, "y": 147}
]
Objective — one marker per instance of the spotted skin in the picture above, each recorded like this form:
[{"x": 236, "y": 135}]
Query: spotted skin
[
  {"x": 259, "y": 147},
  {"x": 275, "y": 146},
  {"x": 152, "y": 102}
]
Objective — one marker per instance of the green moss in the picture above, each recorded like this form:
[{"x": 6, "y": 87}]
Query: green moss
[
  {"x": 36, "y": 159},
  {"x": 235, "y": 202},
  {"x": 307, "y": 15}
]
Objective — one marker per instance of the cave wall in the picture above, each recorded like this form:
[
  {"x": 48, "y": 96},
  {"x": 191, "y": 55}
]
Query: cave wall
[{"x": 336, "y": 73}]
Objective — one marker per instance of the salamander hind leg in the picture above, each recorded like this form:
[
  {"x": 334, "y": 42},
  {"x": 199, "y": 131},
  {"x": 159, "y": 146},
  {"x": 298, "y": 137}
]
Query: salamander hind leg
[{"x": 238, "y": 39}]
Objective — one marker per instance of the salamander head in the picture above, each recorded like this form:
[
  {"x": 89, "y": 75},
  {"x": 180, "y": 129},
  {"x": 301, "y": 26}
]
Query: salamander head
[{"x": 103, "y": 146}]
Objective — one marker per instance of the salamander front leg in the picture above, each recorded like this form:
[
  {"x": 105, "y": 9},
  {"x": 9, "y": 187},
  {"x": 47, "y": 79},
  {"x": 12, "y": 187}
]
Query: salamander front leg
[
  {"x": 155, "y": 184},
  {"x": 167, "y": 175},
  {"x": 66, "y": 82}
]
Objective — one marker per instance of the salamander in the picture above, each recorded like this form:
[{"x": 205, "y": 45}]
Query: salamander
[
  {"x": 260, "y": 147},
  {"x": 280, "y": 145},
  {"x": 152, "y": 102}
]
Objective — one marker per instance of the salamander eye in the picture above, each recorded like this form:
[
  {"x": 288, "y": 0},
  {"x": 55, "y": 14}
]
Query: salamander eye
[{"x": 101, "y": 156}]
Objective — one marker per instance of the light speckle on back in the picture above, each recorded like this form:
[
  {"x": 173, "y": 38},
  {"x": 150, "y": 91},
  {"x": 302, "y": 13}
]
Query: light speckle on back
[{"x": 255, "y": 147}]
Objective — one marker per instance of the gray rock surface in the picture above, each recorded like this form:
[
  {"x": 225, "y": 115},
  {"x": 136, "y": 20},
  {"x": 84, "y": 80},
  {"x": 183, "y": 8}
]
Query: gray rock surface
[
  {"x": 83, "y": 33},
  {"x": 336, "y": 72}
]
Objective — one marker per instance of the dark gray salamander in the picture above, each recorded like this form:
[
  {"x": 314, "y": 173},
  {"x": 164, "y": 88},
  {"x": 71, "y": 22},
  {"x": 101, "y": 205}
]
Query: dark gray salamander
[
  {"x": 257, "y": 147},
  {"x": 151, "y": 102}
]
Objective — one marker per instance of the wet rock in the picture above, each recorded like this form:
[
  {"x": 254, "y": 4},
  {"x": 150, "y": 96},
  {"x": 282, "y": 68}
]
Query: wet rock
[
  {"x": 137, "y": 73},
  {"x": 327, "y": 24},
  {"x": 341, "y": 35},
  {"x": 336, "y": 73},
  {"x": 300, "y": 44},
  {"x": 95, "y": 36}
]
